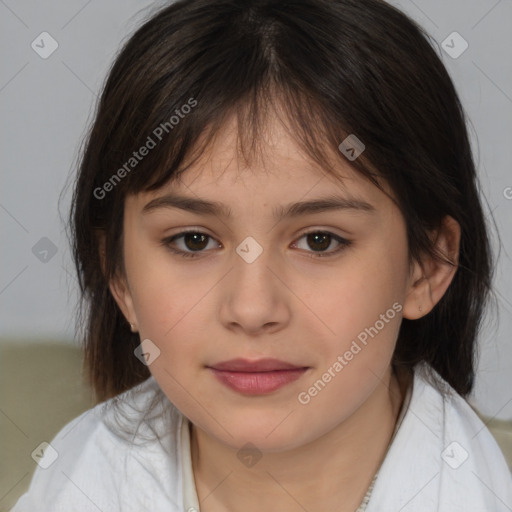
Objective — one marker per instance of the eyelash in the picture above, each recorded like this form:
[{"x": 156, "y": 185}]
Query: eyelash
[{"x": 344, "y": 243}]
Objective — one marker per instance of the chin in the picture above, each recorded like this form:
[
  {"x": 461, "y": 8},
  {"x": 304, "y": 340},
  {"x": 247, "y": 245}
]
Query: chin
[{"x": 266, "y": 436}]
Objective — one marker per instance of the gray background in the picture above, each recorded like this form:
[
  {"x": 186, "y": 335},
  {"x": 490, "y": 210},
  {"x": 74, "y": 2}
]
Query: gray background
[{"x": 46, "y": 105}]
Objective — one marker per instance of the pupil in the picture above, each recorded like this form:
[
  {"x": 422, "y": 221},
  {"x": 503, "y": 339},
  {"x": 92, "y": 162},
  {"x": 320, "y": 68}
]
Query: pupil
[
  {"x": 195, "y": 237},
  {"x": 314, "y": 236}
]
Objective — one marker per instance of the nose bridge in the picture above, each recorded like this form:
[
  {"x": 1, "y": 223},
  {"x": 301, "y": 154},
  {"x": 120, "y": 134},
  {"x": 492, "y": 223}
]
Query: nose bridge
[
  {"x": 254, "y": 296},
  {"x": 252, "y": 263}
]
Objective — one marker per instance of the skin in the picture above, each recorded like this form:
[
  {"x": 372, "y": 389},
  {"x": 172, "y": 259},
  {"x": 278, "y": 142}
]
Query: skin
[{"x": 286, "y": 304}]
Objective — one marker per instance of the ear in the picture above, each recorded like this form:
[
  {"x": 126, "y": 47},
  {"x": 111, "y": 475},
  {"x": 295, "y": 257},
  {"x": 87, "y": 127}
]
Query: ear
[
  {"x": 122, "y": 295},
  {"x": 430, "y": 278},
  {"x": 118, "y": 287}
]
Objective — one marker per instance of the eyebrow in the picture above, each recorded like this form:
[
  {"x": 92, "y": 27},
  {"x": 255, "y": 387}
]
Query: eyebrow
[{"x": 214, "y": 208}]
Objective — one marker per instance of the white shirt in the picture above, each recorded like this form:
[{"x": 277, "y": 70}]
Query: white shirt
[{"x": 441, "y": 458}]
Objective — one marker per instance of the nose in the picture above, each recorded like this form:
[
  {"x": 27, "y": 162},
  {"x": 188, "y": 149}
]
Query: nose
[{"x": 254, "y": 299}]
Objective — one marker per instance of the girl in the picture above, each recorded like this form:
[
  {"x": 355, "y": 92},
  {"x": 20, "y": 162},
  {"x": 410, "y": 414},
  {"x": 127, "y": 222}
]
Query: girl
[{"x": 284, "y": 264}]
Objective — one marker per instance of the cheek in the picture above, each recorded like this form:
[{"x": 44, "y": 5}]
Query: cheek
[
  {"x": 171, "y": 318},
  {"x": 162, "y": 296},
  {"x": 165, "y": 304},
  {"x": 361, "y": 311},
  {"x": 363, "y": 290}
]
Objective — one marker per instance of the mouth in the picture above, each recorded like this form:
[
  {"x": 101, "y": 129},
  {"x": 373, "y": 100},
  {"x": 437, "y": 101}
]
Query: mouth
[{"x": 256, "y": 377}]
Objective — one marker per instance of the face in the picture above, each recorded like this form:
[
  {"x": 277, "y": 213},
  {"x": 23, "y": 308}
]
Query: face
[{"x": 319, "y": 289}]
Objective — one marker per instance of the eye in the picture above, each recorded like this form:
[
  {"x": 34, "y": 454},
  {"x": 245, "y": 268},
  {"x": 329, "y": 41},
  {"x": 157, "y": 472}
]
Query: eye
[
  {"x": 195, "y": 242},
  {"x": 320, "y": 240}
]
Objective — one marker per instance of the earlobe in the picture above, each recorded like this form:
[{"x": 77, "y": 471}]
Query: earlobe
[
  {"x": 418, "y": 301},
  {"x": 118, "y": 287},
  {"x": 431, "y": 277},
  {"x": 122, "y": 295}
]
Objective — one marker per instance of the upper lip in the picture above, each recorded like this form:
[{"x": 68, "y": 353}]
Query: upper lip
[{"x": 259, "y": 365}]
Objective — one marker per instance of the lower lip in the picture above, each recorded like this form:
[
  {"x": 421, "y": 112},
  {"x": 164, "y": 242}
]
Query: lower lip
[{"x": 257, "y": 383}]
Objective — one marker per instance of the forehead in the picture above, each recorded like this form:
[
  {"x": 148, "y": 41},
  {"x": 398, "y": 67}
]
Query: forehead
[{"x": 277, "y": 171}]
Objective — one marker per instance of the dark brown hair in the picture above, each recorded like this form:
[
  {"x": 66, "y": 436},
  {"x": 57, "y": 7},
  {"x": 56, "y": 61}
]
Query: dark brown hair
[{"x": 335, "y": 67}]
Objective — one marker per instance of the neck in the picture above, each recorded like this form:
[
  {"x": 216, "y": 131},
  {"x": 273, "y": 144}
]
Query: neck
[{"x": 309, "y": 477}]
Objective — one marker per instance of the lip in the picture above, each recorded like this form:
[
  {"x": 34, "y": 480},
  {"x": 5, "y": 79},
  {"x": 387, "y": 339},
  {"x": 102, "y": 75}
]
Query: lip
[
  {"x": 256, "y": 377},
  {"x": 259, "y": 365}
]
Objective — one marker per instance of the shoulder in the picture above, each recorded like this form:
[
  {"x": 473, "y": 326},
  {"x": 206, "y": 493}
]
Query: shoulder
[
  {"x": 443, "y": 456},
  {"x": 111, "y": 457},
  {"x": 472, "y": 459},
  {"x": 461, "y": 426}
]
